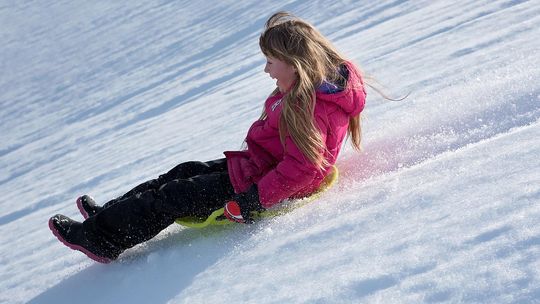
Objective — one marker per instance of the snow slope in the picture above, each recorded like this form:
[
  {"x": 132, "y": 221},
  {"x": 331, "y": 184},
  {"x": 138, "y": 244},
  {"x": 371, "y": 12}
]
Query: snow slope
[{"x": 442, "y": 205}]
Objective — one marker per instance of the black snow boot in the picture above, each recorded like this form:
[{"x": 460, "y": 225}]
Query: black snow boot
[
  {"x": 87, "y": 206},
  {"x": 72, "y": 234}
]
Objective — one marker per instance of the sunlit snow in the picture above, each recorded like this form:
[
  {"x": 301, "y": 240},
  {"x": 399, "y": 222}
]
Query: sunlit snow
[{"x": 442, "y": 205}]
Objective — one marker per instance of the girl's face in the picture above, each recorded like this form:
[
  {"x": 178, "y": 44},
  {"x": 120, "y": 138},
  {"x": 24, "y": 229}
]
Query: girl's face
[{"x": 282, "y": 71}]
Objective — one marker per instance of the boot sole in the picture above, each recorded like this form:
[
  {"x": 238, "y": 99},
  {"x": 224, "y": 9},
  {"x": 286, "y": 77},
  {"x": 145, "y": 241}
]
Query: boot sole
[
  {"x": 81, "y": 209},
  {"x": 89, "y": 254}
]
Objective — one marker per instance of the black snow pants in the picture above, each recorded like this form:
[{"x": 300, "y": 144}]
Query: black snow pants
[{"x": 189, "y": 189}]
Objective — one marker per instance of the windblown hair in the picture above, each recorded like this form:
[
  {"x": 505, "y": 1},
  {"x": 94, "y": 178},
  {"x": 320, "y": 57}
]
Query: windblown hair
[{"x": 297, "y": 43}]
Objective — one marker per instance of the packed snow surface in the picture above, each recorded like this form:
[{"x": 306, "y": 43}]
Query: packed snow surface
[{"x": 442, "y": 204}]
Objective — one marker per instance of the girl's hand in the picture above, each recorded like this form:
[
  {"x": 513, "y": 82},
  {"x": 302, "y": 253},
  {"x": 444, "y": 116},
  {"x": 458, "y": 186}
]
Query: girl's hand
[{"x": 240, "y": 207}]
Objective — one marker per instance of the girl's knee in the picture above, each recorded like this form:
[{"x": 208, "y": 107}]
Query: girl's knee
[{"x": 185, "y": 170}]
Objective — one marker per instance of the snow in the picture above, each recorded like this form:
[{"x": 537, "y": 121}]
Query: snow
[{"x": 442, "y": 205}]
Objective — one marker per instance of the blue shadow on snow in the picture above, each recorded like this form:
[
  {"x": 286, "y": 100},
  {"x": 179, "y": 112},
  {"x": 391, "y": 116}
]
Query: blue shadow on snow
[{"x": 155, "y": 272}]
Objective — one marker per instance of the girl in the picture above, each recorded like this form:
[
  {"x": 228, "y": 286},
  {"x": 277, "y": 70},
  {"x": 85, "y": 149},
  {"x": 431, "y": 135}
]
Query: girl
[{"x": 290, "y": 149}]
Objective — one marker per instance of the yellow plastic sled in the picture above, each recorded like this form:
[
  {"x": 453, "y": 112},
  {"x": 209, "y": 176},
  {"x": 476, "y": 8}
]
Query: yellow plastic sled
[{"x": 217, "y": 217}]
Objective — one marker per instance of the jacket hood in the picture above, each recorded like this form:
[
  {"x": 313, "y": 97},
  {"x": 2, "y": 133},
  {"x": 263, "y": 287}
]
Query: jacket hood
[{"x": 352, "y": 99}]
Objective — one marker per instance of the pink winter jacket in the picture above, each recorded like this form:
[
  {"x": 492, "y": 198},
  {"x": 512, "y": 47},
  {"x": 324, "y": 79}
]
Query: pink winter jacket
[{"x": 284, "y": 172}]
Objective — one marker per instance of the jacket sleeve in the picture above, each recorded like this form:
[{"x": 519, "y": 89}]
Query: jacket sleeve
[
  {"x": 293, "y": 173},
  {"x": 262, "y": 158}
]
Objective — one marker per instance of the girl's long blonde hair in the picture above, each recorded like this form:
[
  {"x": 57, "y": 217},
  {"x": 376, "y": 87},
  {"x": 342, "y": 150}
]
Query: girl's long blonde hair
[{"x": 297, "y": 43}]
